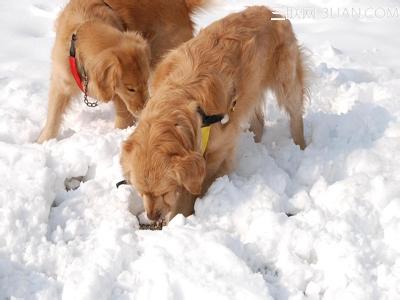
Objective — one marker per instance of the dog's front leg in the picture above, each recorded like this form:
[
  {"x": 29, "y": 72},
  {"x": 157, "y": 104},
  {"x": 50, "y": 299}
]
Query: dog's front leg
[
  {"x": 184, "y": 205},
  {"x": 58, "y": 102},
  {"x": 123, "y": 118},
  {"x": 219, "y": 163}
]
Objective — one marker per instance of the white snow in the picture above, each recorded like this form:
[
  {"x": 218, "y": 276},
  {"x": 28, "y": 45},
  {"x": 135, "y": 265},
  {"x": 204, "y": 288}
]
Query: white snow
[{"x": 343, "y": 192}]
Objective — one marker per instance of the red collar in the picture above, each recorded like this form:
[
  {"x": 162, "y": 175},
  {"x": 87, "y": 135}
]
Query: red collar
[{"x": 73, "y": 64}]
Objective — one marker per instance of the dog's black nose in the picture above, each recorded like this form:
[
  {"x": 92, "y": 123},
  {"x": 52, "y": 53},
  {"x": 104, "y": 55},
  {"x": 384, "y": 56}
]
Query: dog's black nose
[{"x": 154, "y": 215}]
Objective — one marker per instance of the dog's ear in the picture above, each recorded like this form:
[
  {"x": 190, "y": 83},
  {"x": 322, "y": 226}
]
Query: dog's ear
[
  {"x": 146, "y": 53},
  {"x": 141, "y": 50},
  {"x": 143, "y": 58},
  {"x": 104, "y": 75},
  {"x": 190, "y": 171}
]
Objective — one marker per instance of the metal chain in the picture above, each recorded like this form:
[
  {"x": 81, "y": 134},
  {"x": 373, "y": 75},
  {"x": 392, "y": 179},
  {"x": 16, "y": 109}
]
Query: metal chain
[{"x": 85, "y": 97}]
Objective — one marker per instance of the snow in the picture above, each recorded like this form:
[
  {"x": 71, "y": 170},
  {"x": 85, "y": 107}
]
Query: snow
[{"x": 322, "y": 223}]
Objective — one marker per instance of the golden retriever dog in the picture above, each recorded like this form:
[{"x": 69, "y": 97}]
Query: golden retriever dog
[
  {"x": 165, "y": 24},
  {"x": 216, "y": 81},
  {"x": 107, "y": 49}
]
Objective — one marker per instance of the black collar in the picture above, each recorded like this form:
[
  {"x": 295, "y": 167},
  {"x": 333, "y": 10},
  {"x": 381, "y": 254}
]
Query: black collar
[
  {"x": 121, "y": 183},
  {"x": 207, "y": 120},
  {"x": 72, "y": 48}
]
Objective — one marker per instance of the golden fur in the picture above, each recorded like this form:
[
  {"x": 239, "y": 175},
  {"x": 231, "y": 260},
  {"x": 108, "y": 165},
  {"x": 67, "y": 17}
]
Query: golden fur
[
  {"x": 236, "y": 58},
  {"x": 117, "y": 62}
]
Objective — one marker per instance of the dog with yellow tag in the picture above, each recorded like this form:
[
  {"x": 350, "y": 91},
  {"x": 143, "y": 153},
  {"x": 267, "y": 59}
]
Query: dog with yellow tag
[{"x": 203, "y": 94}]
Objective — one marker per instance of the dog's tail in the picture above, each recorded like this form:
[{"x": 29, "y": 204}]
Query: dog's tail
[{"x": 192, "y": 5}]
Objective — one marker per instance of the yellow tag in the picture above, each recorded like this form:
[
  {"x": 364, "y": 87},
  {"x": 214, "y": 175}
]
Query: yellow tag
[{"x": 205, "y": 135}]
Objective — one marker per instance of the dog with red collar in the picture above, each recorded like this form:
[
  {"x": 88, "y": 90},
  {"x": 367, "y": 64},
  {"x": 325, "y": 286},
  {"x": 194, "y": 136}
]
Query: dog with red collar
[{"x": 113, "y": 46}]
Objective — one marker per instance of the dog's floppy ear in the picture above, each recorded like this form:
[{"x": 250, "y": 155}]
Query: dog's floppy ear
[
  {"x": 190, "y": 171},
  {"x": 142, "y": 51},
  {"x": 104, "y": 75},
  {"x": 145, "y": 55}
]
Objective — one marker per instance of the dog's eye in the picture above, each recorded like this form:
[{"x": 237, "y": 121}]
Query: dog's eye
[{"x": 131, "y": 89}]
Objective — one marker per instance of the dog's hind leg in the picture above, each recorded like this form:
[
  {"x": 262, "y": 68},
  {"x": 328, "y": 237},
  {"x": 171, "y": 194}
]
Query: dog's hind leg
[
  {"x": 58, "y": 101},
  {"x": 290, "y": 89},
  {"x": 257, "y": 123},
  {"x": 293, "y": 104}
]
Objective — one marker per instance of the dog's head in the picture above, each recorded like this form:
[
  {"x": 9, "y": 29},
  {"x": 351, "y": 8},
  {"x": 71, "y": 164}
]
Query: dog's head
[
  {"x": 161, "y": 160},
  {"x": 123, "y": 70}
]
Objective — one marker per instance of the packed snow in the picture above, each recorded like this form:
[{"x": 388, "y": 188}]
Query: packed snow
[{"x": 322, "y": 223}]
